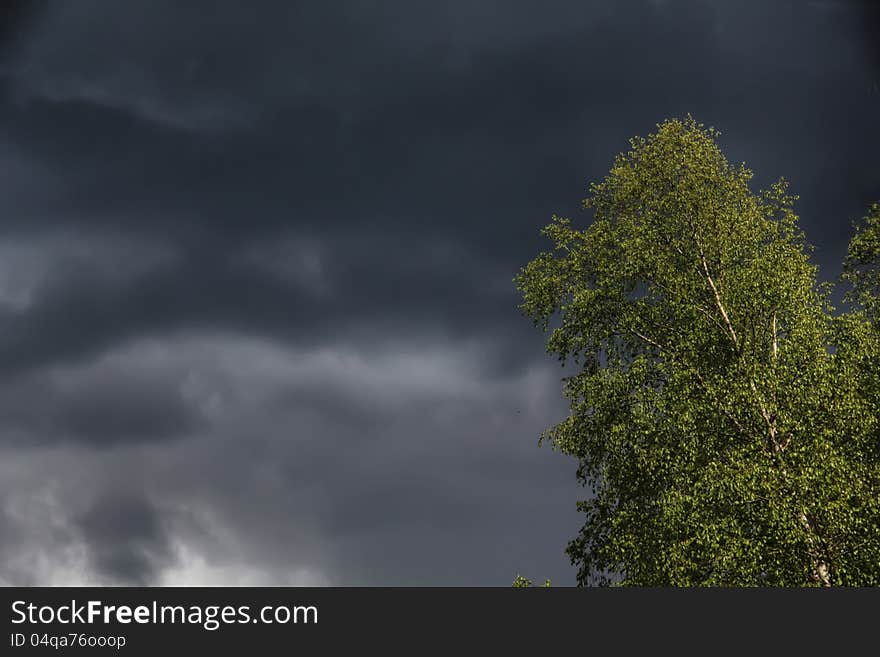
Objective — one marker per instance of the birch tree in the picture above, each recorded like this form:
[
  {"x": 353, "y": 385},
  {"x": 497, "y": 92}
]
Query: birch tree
[{"x": 716, "y": 402}]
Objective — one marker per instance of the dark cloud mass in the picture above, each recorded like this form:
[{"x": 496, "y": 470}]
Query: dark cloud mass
[{"x": 257, "y": 323}]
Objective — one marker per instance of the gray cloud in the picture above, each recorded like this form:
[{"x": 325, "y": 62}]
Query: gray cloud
[
  {"x": 315, "y": 463},
  {"x": 103, "y": 404},
  {"x": 125, "y": 539}
]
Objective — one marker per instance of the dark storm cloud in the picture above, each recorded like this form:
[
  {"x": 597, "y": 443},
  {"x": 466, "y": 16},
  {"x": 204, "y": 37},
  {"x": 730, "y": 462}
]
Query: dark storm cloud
[
  {"x": 125, "y": 539},
  {"x": 868, "y": 16},
  {"x": 397, "y": 143},
  {"x": 313, "y": 465},
  {"x": 106, "y": 404},
  {"x": 301, "y": 290},
  {"x": 15, "y": 16},
  {"x": 257, "y": 322}
]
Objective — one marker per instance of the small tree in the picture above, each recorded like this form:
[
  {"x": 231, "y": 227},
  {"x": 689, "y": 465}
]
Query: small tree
[
  {"x": 717, "y": 409},
  {"x": 521, "y": 582}
]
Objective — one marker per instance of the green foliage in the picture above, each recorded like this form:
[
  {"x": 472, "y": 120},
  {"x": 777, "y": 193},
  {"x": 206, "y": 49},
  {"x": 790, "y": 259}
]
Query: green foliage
[
  {"x": 521, "y": 582},
  {"x": 724, "y": 420},
  {"x": 862, "y": 265}
]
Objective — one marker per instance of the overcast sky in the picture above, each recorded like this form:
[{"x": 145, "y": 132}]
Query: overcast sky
[{"x": 257, "y": 324}]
